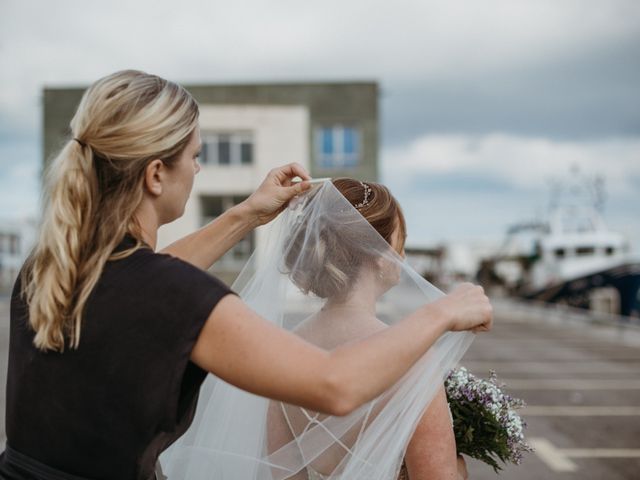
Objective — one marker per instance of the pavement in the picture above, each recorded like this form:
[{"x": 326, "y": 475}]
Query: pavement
[{"x": 581, "y": 386}]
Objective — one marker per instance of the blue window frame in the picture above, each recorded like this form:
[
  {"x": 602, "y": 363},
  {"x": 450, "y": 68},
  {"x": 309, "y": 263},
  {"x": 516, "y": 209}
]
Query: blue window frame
[
  {"x": 327, "y": 141},
  {"x": 337, "y": 146}
]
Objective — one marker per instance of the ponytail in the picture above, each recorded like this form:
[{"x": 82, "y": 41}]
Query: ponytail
[
  {"x": 56, "y": 284},
  {"x": 92, "y": 190}
]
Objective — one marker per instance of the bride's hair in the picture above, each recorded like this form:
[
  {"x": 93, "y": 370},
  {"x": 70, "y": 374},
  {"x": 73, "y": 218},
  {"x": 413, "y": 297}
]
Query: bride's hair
[
  {"x": 92, "y": 189},
  {"x": 334, "y": 255}
]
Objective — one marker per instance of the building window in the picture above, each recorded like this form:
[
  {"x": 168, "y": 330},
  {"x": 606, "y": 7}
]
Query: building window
[
  {"x": 583, "y": 251},
  {"x": 211, "y": 207},
  {"x": 227, "y": 148},
  {"x": 337, "y": 146}
]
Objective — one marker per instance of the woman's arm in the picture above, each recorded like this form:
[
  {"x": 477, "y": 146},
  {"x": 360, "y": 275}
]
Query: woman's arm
[
  {"x": 431, "y": 453},
  {"x": 242, "y": 348},
  {"x": 249, "y": 352},
  {"x": 205, "y": 246}
]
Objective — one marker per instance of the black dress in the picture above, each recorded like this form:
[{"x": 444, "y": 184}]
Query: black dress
[{"x": 108, "y": 409}]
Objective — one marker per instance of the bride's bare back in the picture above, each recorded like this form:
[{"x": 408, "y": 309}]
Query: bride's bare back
[{"x": 327, "y": 329}]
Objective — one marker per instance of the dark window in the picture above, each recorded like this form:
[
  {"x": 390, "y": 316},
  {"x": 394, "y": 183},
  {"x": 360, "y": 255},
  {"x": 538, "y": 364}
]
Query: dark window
[
  {"x": 585, "y": 251},
  {"x": 204, "y": 154},
  {"x": 227, "y": 148},
  {"x": 560, "y": 252},
  {"x": 211, "y": 206},
  {"x": 224, "y": 150},
  {"x": 214, "y": 205},
  {"x": 246, "y": 153}
]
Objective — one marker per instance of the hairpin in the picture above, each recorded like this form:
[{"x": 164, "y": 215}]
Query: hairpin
[{"x": 367, "y": 192}]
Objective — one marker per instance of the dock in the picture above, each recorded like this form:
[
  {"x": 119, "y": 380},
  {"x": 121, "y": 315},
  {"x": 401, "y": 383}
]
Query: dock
[{"x": 579, "y": 376}]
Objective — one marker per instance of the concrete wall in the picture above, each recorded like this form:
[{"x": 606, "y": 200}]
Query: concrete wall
[{"x": 328, "y": 103}]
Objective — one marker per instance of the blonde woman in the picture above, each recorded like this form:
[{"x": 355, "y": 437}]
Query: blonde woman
[{"x": 111, "y": 340}]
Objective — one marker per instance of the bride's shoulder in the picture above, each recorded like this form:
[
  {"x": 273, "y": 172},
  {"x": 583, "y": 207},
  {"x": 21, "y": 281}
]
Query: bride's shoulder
[
  {"x": 304, "y": 327},
  {"x": 327, "y": 329},
  {"x": 376, "y": 325}
]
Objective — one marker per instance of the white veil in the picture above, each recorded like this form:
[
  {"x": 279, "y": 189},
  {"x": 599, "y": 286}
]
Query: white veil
[{"x": 319, "y": 252}]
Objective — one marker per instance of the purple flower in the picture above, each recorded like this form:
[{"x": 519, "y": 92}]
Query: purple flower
[{"x": 487, "y": 401}]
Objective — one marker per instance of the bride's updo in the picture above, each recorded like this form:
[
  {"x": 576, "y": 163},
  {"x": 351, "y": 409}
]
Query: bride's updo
[{"x": 329, "y": 261}]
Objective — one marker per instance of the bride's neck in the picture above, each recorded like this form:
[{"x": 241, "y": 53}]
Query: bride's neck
[{"x": 362, "y": 298}]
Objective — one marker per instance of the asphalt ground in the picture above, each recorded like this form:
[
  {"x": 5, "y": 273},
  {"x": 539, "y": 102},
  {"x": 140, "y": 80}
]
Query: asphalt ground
[{"x": 582, "y": 390}]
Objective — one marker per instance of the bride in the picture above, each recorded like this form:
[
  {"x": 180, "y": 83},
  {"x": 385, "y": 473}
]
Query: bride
[
  {"x": 350, "y": 314},
  {"x": 332, "y": 271}
]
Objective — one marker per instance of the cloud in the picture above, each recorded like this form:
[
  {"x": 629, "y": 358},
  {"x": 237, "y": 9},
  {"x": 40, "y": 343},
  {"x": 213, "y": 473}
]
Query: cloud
[
  {"x": 19, "y": 179},
  {"x": 493, "y": 50},
  {"x": 558, "y": 81},
  {"x": 592, "y": 94},
  {"x": 517, "y": 162},
  {"x": 473, "y": 187}
]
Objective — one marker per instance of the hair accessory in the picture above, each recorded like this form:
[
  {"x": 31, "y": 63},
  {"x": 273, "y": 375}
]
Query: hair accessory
[
  {"x": 82, "y": 144},
  {"x": 367, "y": 192}
]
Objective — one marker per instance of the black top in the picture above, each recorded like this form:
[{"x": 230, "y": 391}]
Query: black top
[{"x": 108, "y": 409}]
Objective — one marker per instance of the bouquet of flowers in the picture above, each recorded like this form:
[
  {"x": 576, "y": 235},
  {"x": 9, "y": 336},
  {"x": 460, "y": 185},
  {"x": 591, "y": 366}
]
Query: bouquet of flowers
[{"x": 485, "y": 423}]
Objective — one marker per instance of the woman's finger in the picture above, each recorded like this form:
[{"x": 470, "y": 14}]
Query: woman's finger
[
  {"x": 285, "y": 173},
  {"x": 296, "y": 189}
]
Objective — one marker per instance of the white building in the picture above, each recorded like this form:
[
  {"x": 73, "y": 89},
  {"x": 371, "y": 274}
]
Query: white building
[
  {"x": 240, "y": 145},
  {"x": 330, "y": 128},
  {"x": 17, "y": 237}
]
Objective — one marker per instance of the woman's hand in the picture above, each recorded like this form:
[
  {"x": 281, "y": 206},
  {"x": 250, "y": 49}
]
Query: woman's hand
[
  {"x": 467, "y": 308},
  {"x": 274, "y": 193},
  {"x": 462, "y": 469}
]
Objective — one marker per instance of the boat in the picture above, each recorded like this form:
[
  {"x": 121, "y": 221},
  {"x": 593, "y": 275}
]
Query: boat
[{"x": 570, "y": 256}]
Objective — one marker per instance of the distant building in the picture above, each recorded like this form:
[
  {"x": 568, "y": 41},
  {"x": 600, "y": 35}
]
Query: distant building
[
  {"x": 330, "y": 128},
  {"x": 16, "y": 240}
]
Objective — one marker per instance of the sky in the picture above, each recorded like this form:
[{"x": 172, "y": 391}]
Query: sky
[{"x": 483, "y": 103}]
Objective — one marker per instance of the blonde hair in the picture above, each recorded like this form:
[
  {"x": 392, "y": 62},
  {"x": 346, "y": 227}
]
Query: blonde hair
[{"x": 92, "y": 189}]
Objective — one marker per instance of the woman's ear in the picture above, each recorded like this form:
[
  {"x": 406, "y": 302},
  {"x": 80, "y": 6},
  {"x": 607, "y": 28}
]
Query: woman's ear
[{"x": 153, "y": 176}]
